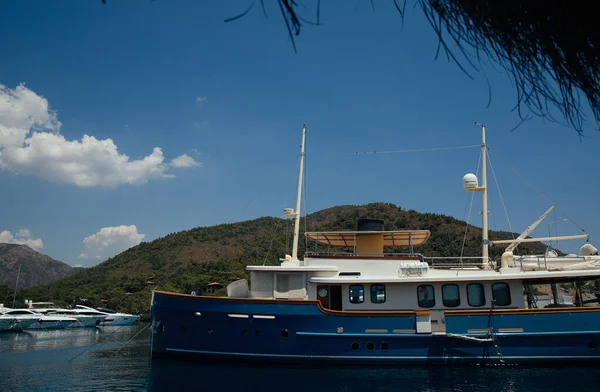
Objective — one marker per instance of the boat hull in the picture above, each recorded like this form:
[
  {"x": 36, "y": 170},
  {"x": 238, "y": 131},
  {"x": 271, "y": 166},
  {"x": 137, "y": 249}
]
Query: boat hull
[
  {"x": 120, "y": 320},
  {"x": 302, "y": 331},
  {"x": 51, "y": 324},
  {"x": 87, "y": 321}
]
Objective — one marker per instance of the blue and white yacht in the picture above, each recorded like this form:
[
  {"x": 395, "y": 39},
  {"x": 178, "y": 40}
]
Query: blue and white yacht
[{"x": 363, "y": 305}]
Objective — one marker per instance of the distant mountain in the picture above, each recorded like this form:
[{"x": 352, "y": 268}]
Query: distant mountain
[
  {"x": 36, "y": 269},
  {"x": 188, "y": 260}
]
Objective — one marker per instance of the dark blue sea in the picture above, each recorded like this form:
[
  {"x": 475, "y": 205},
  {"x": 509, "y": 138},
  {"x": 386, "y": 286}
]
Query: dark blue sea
[{"x": 111, "y": 359}]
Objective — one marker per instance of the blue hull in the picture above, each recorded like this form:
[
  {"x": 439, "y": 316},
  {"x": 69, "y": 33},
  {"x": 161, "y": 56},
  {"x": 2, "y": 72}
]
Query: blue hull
[{"x": 301, "y": 331}]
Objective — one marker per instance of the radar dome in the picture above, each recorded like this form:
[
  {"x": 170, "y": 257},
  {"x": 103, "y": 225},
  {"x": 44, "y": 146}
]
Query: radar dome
[{"x": 470, "y": 181}]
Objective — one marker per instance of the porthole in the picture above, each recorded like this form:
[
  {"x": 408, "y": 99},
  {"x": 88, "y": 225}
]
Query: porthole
[
  {"x": 385, "y": 346},
  {"x": 209, "y": 330},
  {"x": 244, "y": 332},
  {"x": 355, "y": 346},
  {"x": 370, "y": 346},
  {"x": 592, "y": 346},
  {"x": 257, "y": 332},
  {"x": 284, "y": 333},
  {"x": 322, "y": 292}
]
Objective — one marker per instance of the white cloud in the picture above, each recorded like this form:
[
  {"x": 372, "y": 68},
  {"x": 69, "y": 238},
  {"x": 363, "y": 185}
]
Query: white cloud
[
  {"x": 184, "y": 161},
  {"x": 22, "y": 237},
  {"x": 26, "y": 149},
  {"x": 22, "y": 111},
  {"x": 201, "y": 99},
  {"x": 110, "y": 241},
  {"x": 78, "y": 266}
]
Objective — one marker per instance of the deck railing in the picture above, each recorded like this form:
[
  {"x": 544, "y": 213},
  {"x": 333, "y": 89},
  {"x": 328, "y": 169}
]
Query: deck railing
[
  {"x": 437, "y": 262},
  {"x": 356, "y": 255}
]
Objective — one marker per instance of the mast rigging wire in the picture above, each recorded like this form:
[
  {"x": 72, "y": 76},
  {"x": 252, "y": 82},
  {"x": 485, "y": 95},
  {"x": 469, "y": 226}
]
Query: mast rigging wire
[
  {"x": 535, "y": 189},
  {"x": 417, "y": 150},
  {"x": 501, "y": 198}
]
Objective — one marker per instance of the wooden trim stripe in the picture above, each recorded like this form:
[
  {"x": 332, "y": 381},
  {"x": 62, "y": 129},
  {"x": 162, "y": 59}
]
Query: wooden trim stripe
[
  {"x": 260, "y": 300},
  {"x": 406, "y": 312},
  {"x": 480, "y": 312}
]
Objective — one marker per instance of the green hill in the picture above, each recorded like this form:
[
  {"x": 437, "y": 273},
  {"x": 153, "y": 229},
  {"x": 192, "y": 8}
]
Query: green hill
[{"x": 188, "y": 260}]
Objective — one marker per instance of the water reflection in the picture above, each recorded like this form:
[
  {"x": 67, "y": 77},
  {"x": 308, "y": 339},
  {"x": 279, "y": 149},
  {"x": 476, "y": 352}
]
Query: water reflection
[
  {"x": 118, "y": 359},
  {"x": 51, "y": 339},
  {"x": 80, "y": 359},
  {"x": 189, "y": 376}
]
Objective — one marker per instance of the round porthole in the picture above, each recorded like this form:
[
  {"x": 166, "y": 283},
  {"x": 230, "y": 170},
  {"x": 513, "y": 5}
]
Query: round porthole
[
  {"x": 355, "y": 346},
  {"x": 592, "y": 345},
  {"x": 384, "y": 346},
  {"x": 370, "y": 346},
  {"x": 322, "y": 292},
  {"x": 284, "y": 333},
  {"x": 257, "y": 332},
  {"x": 209, "y": 330}
]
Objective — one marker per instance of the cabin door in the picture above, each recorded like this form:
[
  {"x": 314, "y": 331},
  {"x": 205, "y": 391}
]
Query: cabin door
[
  {"x": 335, "y": 301},
  {"x": 330, "y": 296}
]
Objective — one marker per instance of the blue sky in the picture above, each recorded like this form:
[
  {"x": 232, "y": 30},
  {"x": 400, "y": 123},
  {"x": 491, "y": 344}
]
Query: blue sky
[{"x": 225, "y": 103}]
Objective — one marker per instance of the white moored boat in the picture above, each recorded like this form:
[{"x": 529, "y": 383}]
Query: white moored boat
[
  {"x": 15, "y": 320},
  {"x": 42, "y": 321},
  {"x": 112, "y": 317},
  {"x": 85, "y": 318}
]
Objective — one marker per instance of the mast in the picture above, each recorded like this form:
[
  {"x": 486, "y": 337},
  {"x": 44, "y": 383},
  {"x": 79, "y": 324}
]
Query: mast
[
  {"x": 298, "y": 199},
  {"x": 484, "y": 208},
  {"x": 16, "y": 285},
  {"x": 471, "y": 184}
]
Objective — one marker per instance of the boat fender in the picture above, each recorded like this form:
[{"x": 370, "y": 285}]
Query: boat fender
[{"x": 588, "y": 250}]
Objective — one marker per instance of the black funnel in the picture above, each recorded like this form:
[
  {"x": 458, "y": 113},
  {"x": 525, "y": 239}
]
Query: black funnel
[{"x": 369, "y": 224}]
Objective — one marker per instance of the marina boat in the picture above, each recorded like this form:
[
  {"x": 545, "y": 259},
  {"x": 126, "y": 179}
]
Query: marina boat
[
  {"x": 363, "y": 305},
  {"x": 84, "y": 317},
  {"x": 112, "y": 317},
  {"x": 15, "y": 321},
  {"x": 41, "y": 321}
]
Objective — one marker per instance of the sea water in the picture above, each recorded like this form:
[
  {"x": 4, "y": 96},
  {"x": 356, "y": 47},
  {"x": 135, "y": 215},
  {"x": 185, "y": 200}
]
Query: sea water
[{"x": 117, "y": 359}]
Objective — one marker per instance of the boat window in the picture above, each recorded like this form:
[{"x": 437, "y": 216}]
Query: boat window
[
  {"x": 282, "y": 283},
  {"x": 377, "y": 293},
  {"x": 475, "y": 294},
  {"x": 19, "y": 312},
  {"x": 450, "y": 295},
  {"x": 426, "y": 296},
  {"x": 501, "y": 294},
  {"x": 357, "y": 294}
]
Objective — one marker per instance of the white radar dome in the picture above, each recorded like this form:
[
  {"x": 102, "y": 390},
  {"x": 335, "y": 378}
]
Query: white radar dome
[{"x": 470, "y": 181}]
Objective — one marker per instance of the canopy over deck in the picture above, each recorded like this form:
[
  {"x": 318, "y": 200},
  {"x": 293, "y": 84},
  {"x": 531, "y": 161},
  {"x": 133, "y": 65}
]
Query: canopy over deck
[{"x": 390, "y": 238}]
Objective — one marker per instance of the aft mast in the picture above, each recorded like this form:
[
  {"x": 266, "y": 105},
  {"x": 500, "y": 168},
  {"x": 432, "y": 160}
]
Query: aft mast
[
  {"x": 470, "y": 183},
  {"x": 288, "y": 212},
  {"x": 484, "y": 209}
]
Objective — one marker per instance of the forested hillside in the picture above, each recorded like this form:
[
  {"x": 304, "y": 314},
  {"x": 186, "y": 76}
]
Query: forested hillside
[{"x": 188, "y": 260}]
